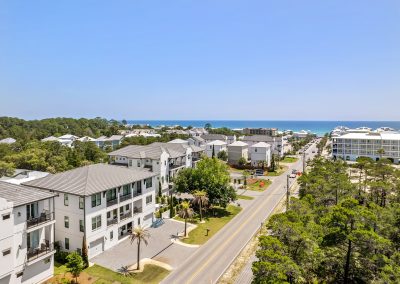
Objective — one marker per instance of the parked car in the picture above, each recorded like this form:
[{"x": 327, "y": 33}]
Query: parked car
[
  {"x": 292, "y": 176},
  {"x": 259, "y": 172}
]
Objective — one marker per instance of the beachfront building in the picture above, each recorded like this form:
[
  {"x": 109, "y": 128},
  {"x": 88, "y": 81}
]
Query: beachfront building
[
  {"x": 99, "y": 203},
  {"x": 215, "y": 147},
  {"x": 260, "y": 131},
  {"x": 165, "y": 159},
  {"x": 260, "y": 154},
  {"x": 112, "y": 142},
  {"x": 276, "y": 143},
  {"x": 236, "y": 151},
  {"x": 302, "y": 134},
  {"x": 27, "y": 234},
  {"x": 351, "y": 145}
]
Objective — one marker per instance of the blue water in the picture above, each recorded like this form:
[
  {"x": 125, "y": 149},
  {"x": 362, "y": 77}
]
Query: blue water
[{"x": 318, "y": 127}]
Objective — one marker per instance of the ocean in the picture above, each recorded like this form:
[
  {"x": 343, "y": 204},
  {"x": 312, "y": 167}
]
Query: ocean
[{"x": 318, "y": 127}]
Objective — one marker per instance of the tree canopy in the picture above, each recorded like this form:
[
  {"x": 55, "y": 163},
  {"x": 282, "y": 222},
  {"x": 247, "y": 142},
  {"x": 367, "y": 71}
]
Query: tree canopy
[
  {"x": 340, "y": 230},
  {"x": 210, "y": 175}
]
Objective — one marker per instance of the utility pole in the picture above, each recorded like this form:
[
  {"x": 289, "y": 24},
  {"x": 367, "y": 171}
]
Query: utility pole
[
  {"x": 304, "y": 161},
  {"x": 287, "y": 192}
]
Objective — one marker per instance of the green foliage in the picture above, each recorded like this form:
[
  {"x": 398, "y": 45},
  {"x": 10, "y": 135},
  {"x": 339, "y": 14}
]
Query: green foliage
[
  {"x": 210, "y": 175},
  {"x": 222, "y": 155},
  {"x": 6, "y": 169},
  {"x": 75, "y": 264},
  {"x": 242, "y": 161},
  {"x": 224, "y": 131},
  {"x": 339, "y": 231}
]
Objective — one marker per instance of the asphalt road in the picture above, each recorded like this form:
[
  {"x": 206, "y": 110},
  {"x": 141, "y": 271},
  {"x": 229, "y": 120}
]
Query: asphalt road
[{"x": 211, "y": 260}]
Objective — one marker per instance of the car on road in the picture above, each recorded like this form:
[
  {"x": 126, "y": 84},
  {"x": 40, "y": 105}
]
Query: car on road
[
  {"x": 259, "y": 172},
  {"x": 294, "y": 171},
  {"x": 292, "y": 176}
]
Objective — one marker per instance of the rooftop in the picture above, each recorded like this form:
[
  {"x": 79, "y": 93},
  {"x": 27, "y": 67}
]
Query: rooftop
[
  {"x": 261, "y": 138},
  {"x": 90, "y": 179},
  {"x": 217, "y": 142},
  {"x": 371, "y": 135},
  {"x": 21, "y": 195},
  {"x": 239, "y": 143},
  {"x": 261, "y": 145}
]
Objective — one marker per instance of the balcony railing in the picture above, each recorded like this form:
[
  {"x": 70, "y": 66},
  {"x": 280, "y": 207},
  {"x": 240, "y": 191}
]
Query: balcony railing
[
  {"x": 112, "y": 202},
  {"x": 137, "y": 193},
  {"x": 111, "y": 222},
  {"x": 125, "y": 215},
  {"x": 43, "y": 218},
  {"x": 125, "y": 197},
  {"x": 44, "y": 249},
  {"x": 121, "y": 235}
]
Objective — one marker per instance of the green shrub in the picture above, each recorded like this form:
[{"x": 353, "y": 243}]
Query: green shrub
[
  {"x": 61, "y": 256},
  {"x": 158, "y": 199}
]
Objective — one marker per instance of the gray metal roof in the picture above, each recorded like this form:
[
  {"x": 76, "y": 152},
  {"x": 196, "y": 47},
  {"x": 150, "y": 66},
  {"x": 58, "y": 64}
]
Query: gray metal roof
[
  {"x": 214, "y": 137},
  {"x": 90, "y": 179},
  {"x": 152, "y": 151},
  {"x": 21, "y": 195}
]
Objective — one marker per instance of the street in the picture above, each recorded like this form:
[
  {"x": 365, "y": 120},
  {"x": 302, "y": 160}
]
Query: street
[{"x": 210, "y": 261}]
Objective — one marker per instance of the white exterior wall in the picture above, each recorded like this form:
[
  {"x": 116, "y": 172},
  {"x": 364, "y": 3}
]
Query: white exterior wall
[
  {"x": 217, "y": 149},
  {"x": 259, "y": 155},
  {"x": 34, "y": 271},
  {"x": 237, "y": 152},
  {"x": 350, "y": 149},
  {"x": 101, "y": 235}
]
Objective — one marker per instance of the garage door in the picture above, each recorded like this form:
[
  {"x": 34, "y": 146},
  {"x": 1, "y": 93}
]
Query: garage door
[
  {"x": 148, "y": 220},
  {"x": 95, "y": 247}
]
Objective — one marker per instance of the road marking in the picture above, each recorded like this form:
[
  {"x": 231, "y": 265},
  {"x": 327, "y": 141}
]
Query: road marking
[{"x": 227, "y": 241}]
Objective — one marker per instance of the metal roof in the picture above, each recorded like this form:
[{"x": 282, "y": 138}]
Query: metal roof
[
  {"x": 90, "y": 179},
  {"x": 21, "y": 195}
]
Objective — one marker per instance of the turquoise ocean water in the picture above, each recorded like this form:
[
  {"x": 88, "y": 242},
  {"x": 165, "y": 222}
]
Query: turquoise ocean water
[{"x": 318, "y": 127}]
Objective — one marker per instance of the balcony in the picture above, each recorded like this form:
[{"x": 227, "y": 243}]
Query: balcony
[
  {"x": 111, "y": 222},
  {"x": 125, "y": 197},
  {"x": 44, "y": 249},
  {"x": 43, "y": 218},
  {"x": 175, "y": 166},
  {"x": 126, "y": 215},
  {"x": 112, "y": 202},
  {"x": 137, "y": 194},
  {"x": 137, "y": 210}
]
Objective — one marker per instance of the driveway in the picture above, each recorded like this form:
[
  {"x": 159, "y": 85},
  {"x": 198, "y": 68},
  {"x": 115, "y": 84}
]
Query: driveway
[{"x": 159, "y": 248}]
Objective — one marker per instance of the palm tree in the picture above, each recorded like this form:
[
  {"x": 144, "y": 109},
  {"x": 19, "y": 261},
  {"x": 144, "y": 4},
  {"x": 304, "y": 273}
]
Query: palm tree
[
  {"x": 246, "y": 174},
  {"x": 185, "y": 213},
  {"x": 200, "y": 198},
  {"x": 380, "y": 152},
  {"x": 139, "y": 234}
]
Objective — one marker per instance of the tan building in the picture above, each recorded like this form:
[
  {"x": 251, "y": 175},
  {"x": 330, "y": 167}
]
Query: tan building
[{"x": 260, "y": 131}]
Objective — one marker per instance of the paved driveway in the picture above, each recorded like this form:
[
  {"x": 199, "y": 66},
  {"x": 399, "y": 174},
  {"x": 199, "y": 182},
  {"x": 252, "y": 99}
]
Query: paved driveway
[{"x": 159, "y": 248}]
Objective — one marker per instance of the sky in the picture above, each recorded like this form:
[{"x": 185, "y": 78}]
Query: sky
[{"x": 203, "y": 59}]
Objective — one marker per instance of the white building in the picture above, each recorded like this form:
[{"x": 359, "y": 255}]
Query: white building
[
  {"x": 113, "y": 141},
  {"x": 302, "y": 134},
  {"x": 350, "y": 146},
  {"x": 21, "y": 176},
  {"x": 216, "y": 147},
  {"x": 212, "y": 137},
  {"x": 100, "y": 203},
  {"x": 260, "y": 154},
  {"x": 276, "y": 142},
  {"x": 236, "y": 151},
  {"x": 26, "y": 235},
  {"x": 165, "y": 159},
  {"x": 67, "y": 139},
  {"x": 197, "y": 141}
]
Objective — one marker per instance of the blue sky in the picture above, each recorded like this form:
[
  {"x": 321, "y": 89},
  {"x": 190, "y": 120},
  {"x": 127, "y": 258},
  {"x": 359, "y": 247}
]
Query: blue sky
[{"x": 217, "y": 59}]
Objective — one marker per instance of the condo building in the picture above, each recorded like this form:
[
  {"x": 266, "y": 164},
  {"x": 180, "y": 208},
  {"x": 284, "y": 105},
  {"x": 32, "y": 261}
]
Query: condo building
[
  {"x": 27, "y": 234},
  {"x": 99, "y": 203},
  {"x": 350, "y": 146}
]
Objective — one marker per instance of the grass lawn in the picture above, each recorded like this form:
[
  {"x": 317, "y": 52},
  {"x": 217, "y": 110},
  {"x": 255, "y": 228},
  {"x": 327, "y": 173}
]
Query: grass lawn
[
  {"x": 281, "y": 170},
  {"x": 245, "y": 197},
  {"x": 150, "y": 274},
  {"x": 100, "y": 275},
  {"x": 288, "y": 159},
  {"x": 254, "y": 184},
  {"x": 214, "y": 224}
]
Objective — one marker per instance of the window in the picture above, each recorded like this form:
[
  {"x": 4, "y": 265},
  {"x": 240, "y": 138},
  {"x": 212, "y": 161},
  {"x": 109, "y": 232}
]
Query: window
[
  {"x": 66, "y": 221},
  {"x": 127, "y": 207},
  {"x": 111, "y": 235},
  {"x": 96, "y": 199},
  {"x": 19, "y": 274},
  {"x": 81, "y": 202},
  {"x": 138, "y": 164},
  {"x": 6, "y": 216},
  {"x": 111, "y": 194},
  {"x": 67, "y": 243},
  {"x": 81, "y": 226},
  {"x": 149, "y": 199},
  {"x": 126, "y": 189},
  {"x": 6, "y": 252},
  {"x": 139, "y": 187},
  {"x": 96, "y": 222},
  {"x": 130, "y": 163},
  {"x": 78, "y": 250},
  {"x": 66, "y": 201},
  {"x": 149, "y": 182}
]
